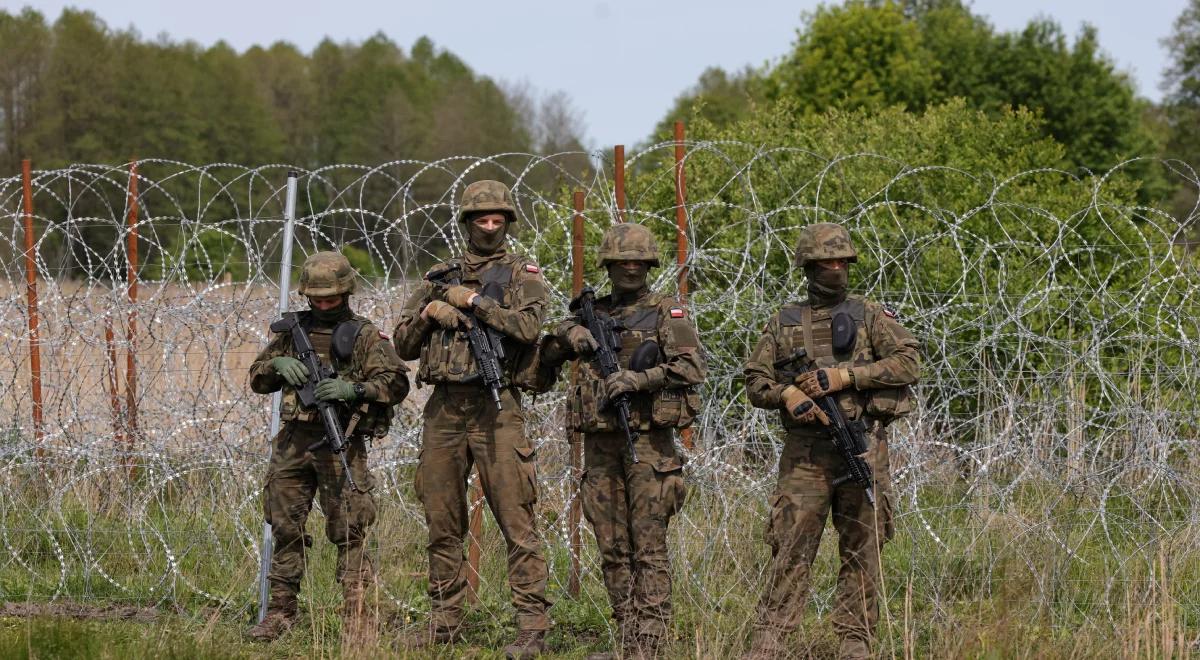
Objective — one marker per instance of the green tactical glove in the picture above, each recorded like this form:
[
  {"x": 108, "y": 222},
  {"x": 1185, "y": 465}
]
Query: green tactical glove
[
  {"x": 292, "y": 370},
  {"x": 335, "y": 389},
  {"x": 624, "y": 382}
]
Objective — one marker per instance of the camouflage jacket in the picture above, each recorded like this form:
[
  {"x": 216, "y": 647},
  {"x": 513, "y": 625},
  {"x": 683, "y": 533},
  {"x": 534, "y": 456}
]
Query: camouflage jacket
[
  {"x": 883, "y": 359},
  {"x": 671, "y": 401},
  {"x": 446, "y": 355},
  {"x": 373, "y": 363}
]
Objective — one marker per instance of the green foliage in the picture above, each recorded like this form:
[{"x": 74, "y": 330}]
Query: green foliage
[
  {"x": 874, "y": 55},
  {"x": 362, "y": 262}
]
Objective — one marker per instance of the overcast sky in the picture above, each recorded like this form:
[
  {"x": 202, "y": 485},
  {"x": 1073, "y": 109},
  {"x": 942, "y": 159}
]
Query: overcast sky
[{"x": 622, "y": 62}]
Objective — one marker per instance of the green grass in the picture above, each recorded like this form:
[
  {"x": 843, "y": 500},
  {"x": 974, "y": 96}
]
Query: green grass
[{"x": 1027, "y": 575}]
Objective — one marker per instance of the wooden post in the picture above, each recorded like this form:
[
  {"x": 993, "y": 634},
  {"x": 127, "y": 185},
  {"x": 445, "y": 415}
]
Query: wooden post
[
  {"x": 619, "y": 179},
  {"x": 574, "y": 440},
  {"x": 681, "y": 242},
  {"x": 31, "y": 297},
  {"x": 475, "y": 531},
  {"x": 131, "y": 279}
]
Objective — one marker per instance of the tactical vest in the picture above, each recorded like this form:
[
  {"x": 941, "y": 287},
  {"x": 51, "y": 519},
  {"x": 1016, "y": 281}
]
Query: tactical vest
[
  {"x": 376, "y": 417},
  {"x": 665, "y": 408},
  {"x": 802, "y": 326},
  {"x": 446, "y": 355}
]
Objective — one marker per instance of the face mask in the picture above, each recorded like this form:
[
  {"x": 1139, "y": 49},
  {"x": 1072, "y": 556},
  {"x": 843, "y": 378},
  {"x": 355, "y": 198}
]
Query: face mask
[
  {"x": 485, "y": 242},
  {"x": 827, "y": 284},
  {"x": 333, "y": 315},
  {"x": 628, "y": 280}
]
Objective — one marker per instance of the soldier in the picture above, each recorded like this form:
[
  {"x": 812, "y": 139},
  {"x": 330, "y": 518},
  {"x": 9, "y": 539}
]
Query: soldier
[
  {"x": 858, "y": 352},
  {"x": 370, "y": 381},
  {"x": 463, "y": 425},
  {"x": 629, "y": 505}
]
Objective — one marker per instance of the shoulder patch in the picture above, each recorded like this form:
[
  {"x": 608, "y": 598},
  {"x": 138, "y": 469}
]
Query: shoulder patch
[
  {"x": 889, "y": 312},
  {"x": 676, "y": 312},
  {"x": 530, "y": 268},
  {"x": 383, "y": 336}
]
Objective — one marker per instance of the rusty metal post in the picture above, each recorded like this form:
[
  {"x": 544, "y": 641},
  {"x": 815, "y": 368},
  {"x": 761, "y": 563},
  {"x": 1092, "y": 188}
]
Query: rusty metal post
[
  {"x": 619, "y": 179},
  {"x": 114, "y": 398},
  {"x": 475, "y": 533},
  {"x": 31, "y": 297},
  {"x": 574, "y": 440},
  {"x": 681, "y": 242},
  {"x": 131, "y": 253}
]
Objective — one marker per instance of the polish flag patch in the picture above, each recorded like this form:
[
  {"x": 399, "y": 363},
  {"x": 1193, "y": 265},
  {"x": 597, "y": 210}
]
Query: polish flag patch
[
  {"x": 530, "y": 268},
  {"x": 676, "y": 312},
  {"x": 383, "y": 336},
  {"x": 889, "y": 312}
]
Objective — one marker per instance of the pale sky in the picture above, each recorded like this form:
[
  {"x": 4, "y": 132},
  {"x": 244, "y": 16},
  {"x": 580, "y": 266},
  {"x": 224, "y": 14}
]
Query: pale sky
[{"x": 622, "y": 62}]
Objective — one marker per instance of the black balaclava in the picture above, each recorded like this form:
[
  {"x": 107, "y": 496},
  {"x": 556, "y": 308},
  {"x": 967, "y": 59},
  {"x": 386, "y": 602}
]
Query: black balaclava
[
  {"x": 826, "y": 286},
  {"x": 628, "y": 281},
  {"x": 484, "y": 243},
  {"x": 335, "y": 315}
]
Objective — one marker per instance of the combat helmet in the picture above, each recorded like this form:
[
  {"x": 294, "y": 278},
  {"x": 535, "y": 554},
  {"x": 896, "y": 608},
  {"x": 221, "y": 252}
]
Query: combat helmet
[
  {"x": 327, "y": 274},
  {"x": 824, "y": 240},
  {"x": 487, "y": 196},
  {"x": 628, "y": 242}
]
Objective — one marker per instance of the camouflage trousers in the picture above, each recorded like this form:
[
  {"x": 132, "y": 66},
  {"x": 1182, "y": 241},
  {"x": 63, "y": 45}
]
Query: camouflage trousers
[
  {"x": 802, "y": 501},
  {"x": 629, "y": 507},
  {"x": 463, "y": 428},
  {"x": 295, "y": 475}
]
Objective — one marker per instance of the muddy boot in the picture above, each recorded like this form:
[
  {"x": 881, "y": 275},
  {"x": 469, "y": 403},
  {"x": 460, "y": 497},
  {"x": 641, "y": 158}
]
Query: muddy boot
[
  {"x": 427, "y": 638},
  {"x": 853, "y": 649},
  {"x": 528, "y": 644},
  {"x": 642, "y": 648},
  {"x": 282, "y": 611},
  {"x": 359, "y": 624},
  {"x": 766, "y": 646},
  {"x": 618, "y": 641}
]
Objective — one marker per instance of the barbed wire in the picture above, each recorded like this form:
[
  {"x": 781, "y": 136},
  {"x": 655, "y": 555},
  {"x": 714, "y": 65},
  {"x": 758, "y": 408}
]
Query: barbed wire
[{"x": 1054, "y": 439}]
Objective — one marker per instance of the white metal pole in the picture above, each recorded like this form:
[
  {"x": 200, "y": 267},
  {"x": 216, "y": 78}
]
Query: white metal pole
[{"x": 285, "y": 279}]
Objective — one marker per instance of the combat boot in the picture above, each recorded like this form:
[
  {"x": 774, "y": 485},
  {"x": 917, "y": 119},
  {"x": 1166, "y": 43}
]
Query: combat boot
[
  {"x": 528, "y": 644},
  {"x": 282, "y": 612},
  {"x": 766, "y": 646},
  {"x": 424, "y": 638},
  {"x": 642, "y": 648},
  {"x": 359, "y": 624},
  {"x": 618, "y": 642},
  {"x": 853, "y": 649}
]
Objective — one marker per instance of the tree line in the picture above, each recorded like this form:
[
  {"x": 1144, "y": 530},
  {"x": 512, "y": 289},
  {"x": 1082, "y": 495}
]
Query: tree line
[{"x": 76, "y": 91}]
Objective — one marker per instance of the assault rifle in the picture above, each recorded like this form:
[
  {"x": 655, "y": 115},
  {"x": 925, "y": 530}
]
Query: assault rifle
[
  {"x": 848, "y": 437},
  {"x": 487, "y": 345},
  {"x": 604, "y": 331},
  {"x": 335, "y": 438}
]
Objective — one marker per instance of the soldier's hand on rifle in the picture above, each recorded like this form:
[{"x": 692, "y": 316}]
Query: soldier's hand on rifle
[
  {"x": 444, "y": 314},
  {"x": 624, "y": 382},
  {"x": 460, "y": 296},
  {"x": 292, "y": 370},
  {"x": 335, "y": 389},
  {"x": 581, "y": 341},
  {"x": 823, "y": 382},
  {"x": 801, "y": 407}
]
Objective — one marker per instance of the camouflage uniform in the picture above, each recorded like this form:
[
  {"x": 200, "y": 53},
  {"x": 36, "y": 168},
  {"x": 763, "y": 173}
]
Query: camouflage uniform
[
  {"x": 463, "y": 426},
  {"x": 882, "y": 362},
  {"x": 630, "y": 505},
  {"x": 297, "y": 471}
]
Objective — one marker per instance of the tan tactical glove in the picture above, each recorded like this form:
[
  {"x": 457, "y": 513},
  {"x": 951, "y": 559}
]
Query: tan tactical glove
[
  {"x": 581, "y": 341},
  {"x": 801, "y": 407},
  {"x": 460, "y": 296},
  {"x": 444, "y": 314},
  {"x": 625, "y": 382},
  {"x": 824, "y": 382}
]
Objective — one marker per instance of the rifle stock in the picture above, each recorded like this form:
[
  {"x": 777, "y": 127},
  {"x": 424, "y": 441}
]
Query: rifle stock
[
  {"x": 603, "y": 330},
  {"x": 334, "y": 436},
  {"x": 849, "y": 438}
]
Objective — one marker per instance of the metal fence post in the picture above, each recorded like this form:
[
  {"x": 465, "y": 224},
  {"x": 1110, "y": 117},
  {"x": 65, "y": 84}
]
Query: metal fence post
[{"x": 285, "y": 280}]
